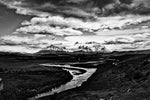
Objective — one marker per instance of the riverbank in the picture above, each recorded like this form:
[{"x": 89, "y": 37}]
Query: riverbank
[
  {"x": 124, "y": 76},
  {"x": 23, "y": 83},
  {"x": 37, "y": 78},
  {"x": 119, "y": 75},
  {"x": 80, "y": 75}
]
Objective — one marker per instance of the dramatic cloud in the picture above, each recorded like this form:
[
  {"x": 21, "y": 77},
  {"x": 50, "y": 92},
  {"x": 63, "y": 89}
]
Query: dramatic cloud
[
  {"x": 79, "y": 8},
  {"x": 27, "y": 44},
  {"x": 43, "y": 29},
  {"x": 18, "y": 49},
  {"x": 79, "y": 24},
  {"x": 27, "y": 40},
  {"x": 45, "y": 7},
  {"x": 117, "y": 42}
]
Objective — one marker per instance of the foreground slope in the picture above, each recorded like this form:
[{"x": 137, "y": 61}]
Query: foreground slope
[{"x": 124, "y": 76}]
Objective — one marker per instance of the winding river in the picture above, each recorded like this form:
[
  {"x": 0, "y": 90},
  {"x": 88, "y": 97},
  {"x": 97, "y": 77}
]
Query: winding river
[
  {"x": 79, "y": 74},
  {"x": 1, "y": 84}
]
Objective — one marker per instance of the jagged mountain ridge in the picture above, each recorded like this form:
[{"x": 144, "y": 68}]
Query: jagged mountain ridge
[{"x": 77, "y": 47}]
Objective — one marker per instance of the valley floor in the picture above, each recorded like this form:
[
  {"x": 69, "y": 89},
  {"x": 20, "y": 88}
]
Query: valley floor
[
  {"x": 119, "y": 76},
  {"x": 123, "y": 76},
  {"x": 26, "y": 82}
]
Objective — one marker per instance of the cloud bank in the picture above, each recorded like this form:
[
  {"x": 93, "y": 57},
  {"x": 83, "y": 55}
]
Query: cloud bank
[
  {"x": 80, "y": 8},
  {"x": 59, "y": 25},
  {"x": 79, "y": 25}
]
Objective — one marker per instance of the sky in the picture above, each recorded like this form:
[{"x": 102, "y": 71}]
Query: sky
[
  {"x": 29, "y": 26},
  {"x": 9, "y": 20}
]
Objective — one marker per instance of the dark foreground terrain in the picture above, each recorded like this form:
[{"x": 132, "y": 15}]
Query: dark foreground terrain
[
  {"x": 28, "y": 81},
  {"x": 119, "y": 76},
  {"x": 123, "y": 76}
]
